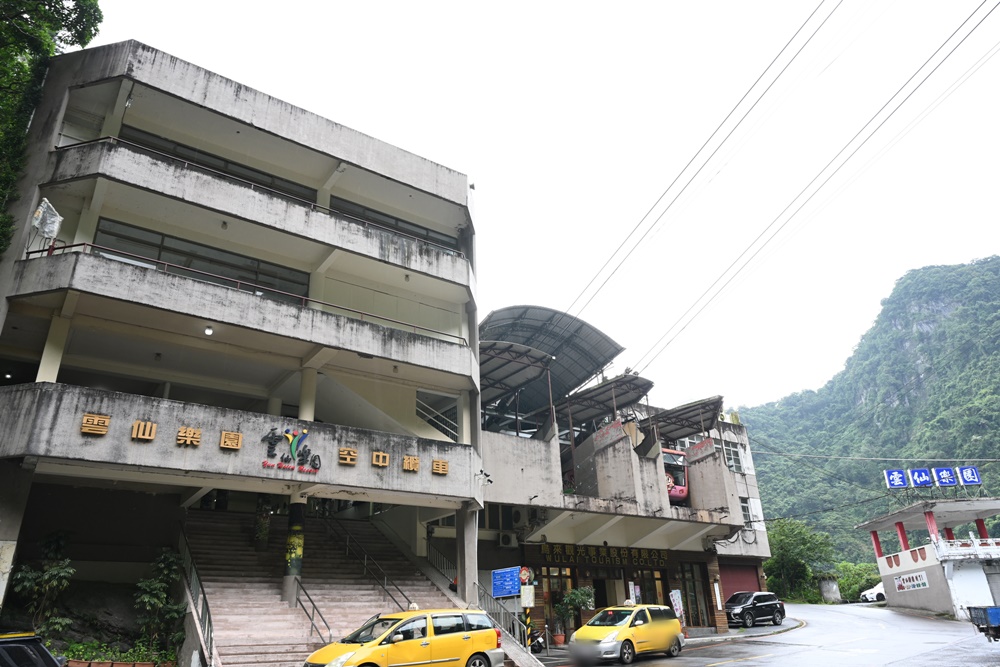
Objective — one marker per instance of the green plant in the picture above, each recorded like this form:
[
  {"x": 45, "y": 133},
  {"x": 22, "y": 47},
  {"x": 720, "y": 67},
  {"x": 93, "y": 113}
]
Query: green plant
[
  {"x": 572, "y": 602},
  {"x": 160, "y": 619},
  {"x": 40, "y": 588}
]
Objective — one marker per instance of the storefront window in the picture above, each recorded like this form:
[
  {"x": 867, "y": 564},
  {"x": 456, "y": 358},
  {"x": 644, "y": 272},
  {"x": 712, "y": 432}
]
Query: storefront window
[
  {"x": 556, "y": 582},
  {"x": 693, "y": 594}
]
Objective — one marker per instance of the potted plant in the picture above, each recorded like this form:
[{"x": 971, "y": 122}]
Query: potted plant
[{"x": 567, "y": 609}]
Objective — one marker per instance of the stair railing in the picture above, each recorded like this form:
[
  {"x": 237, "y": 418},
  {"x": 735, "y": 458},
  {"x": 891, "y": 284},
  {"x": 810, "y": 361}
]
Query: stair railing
[
  {"x": 437, "y": 420},
  {"x": 198, "y": 603},
  {"x": 506, "y": 619},
  {"x": 372, "y": 569},
  {"x": 313, "y": 612}
]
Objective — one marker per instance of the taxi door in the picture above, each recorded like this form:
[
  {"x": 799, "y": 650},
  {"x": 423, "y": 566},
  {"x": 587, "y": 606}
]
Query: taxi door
[
  {"x": 642, "y": 632},
  {"x": 451, "y": 645},
  {"x": 414, "y": 648}
]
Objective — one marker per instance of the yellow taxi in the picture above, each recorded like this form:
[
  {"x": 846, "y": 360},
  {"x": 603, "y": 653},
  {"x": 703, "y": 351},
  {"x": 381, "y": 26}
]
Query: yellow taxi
[
  {"x": 444, "y": 637},
  {"x": 620, "y": 633}
]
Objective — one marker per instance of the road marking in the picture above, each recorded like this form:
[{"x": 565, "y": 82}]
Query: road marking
[{"x": 727, "y": 662}]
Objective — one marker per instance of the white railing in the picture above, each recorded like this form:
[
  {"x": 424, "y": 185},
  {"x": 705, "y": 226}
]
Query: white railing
[
  {"x": 437, "y": 420},
  {"x": 971, "y": 549}
]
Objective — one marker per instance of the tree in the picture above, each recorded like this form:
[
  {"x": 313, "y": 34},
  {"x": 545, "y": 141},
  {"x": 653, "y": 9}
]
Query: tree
[
  {"x": 31, "y": 31},
  {"x": 797, "y": 552}
]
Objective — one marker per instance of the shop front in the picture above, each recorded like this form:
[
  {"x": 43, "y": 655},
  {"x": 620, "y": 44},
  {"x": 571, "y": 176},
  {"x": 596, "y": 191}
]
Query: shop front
[{"x": 680, "y": 579}]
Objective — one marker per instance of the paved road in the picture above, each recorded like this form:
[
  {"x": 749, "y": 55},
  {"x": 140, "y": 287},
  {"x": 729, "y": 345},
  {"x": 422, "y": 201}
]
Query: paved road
[{"x": 855, "y": 635}]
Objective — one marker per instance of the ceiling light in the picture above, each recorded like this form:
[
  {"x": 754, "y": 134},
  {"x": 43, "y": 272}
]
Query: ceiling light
[{"x": 209, "y": 330}]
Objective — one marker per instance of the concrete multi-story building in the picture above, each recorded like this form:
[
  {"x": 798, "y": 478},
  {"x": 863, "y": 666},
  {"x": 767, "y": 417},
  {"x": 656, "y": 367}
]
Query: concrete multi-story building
[{"x": 250, "y": 311}]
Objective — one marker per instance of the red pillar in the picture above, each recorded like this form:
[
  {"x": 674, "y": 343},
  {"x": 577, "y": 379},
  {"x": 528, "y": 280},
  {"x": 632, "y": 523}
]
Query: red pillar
[
  {"x": 876, "y": 544},
  {"x": 904, "y": 544},
  {"x": 932, "y": 526},
  {"x": 949, "y": 534},
  {"x": 981, "y": 527}
]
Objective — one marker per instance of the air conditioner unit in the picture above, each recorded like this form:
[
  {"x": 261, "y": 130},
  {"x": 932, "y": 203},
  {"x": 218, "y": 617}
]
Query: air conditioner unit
[
  {"x": 520, "y": 517},
  {"x": 507, "y": 539}
]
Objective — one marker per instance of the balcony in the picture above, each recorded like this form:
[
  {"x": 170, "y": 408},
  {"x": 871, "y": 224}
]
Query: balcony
[{"x": 970, "y": 549}]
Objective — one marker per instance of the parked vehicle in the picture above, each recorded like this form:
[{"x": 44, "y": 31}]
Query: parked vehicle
[
  {"x": 620, "y": 633},
  {"x": 26, "y": 649},
  {"x": 747, "y": 607},
  {"x": 874, "y": 594},
  {"x": 987, "y": 621},
  {"x": 536, "y": 641},
  {"x": 445, "y": 637},
  {"x": 675, "y": 468}
]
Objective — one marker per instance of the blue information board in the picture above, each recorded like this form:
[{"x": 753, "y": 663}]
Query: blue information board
[{"x": 507, "y": 582}]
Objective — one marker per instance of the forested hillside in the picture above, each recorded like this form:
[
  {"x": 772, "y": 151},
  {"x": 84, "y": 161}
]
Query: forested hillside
[{"x": 923, "y": 383}]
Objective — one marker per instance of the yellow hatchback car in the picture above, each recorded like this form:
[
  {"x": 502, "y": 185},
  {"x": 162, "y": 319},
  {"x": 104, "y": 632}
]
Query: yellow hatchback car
[
  {"x": 620, "y": 633},
  {"x": 442, "y": 637}
]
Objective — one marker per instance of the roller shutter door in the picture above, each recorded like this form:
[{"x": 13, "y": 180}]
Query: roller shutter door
[{"x": 736, "y": 578}]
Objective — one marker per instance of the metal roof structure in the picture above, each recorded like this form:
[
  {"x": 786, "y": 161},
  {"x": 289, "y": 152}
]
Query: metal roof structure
[
  {"x": 947, "y": 512},
  {"x": 506, "y": 367},
  {"x": 577, "y": 352},
  {"x": 685, "y": 420},
  {"x": 604, "y": 399}
]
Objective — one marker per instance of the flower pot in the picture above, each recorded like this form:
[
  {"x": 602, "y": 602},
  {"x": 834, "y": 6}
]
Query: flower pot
[
  {"x": 558, "y": 639},
  {"x": 78, "y": 663}
]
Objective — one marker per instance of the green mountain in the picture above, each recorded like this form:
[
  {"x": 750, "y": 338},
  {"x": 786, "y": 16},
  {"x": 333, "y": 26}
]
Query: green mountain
[{"x": 923, "y": 384}]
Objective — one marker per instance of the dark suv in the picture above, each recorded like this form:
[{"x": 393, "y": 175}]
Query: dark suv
[
  {"x": 23, "y": 649},
  {"x": 748, "y": 607}
]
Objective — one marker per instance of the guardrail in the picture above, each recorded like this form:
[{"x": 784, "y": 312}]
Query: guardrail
[
  {"x": 971, "y": 549},
  {"x": 313, "y": 612},
  {"x": 371, "y": 567},
  {"x": 437, "y": 420},
  {"x": 198, "y": 603},
  {"x": 234, "y": 283}
]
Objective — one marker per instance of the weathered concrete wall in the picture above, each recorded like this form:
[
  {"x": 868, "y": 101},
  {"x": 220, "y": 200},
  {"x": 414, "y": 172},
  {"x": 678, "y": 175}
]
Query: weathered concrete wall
[
  {"x": 117, "y": 280},
  {"x": 44, "y": 420},
  {"x": 15, "y": 484},
  {"x": 178, "y": 180},
  {"x": 712, "y": 485},
  {"x": 933, "y": 598},
  {"x": 164, "y": 72},
  {"x": 969, "y": 587},
  {"x": 522, "y": 468}
]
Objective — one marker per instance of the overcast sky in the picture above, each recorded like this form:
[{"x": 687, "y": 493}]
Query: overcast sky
[{"x": 572, "y": 118}]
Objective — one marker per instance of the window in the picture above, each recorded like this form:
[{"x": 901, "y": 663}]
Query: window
[
  {"x": 731, "y": 450},
  {"x": 392, "y": 223},
  {"x": 479, "y": 622},
  {"x": 641, "y": 617},
  {"x": 747, "y": 516},
  {"x": 415, "y": 628},
  {"x": 446, "y": 624}
]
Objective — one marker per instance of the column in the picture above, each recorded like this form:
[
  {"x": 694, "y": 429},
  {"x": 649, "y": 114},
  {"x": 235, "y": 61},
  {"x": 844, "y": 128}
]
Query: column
[
  {"x": 15, "y": 483},
  {"x": 981, "y": 527},
  {"x": 932, "y": 526},
  {"x": 55, "y": 345},
  {"x": 949, "y": 534},
  {"x": 274, "y": 406},
  {"x": 467, "y": 547},
  {"x": 307, "y": 394},
  {"x": 904, "y": 544},
  {"x": 876, "y": 544},
  {"x": 294, "y": 544}
]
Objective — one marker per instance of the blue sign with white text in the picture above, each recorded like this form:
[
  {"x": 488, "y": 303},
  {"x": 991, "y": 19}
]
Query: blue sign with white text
[
  {"x": 506, "y": 582},
  {"x": 944, "y": 476},
  {"x": 895, "y": 479},
  {"x": 969, "y": 475},
  {"x": 920, "y": 477}
]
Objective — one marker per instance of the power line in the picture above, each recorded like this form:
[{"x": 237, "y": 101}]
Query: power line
[
  {"x": 641, "y": 367},
  {"x": 875, "y": 458},
  {"x": 695, "y": 156},
  {"x": 828, "y": 509}
]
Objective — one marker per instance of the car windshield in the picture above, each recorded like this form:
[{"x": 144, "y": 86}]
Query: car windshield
[
  {"x": 610, "y": 617},
  {"x": 740, "y": 598},
  {"x": 370, "y": 631}
]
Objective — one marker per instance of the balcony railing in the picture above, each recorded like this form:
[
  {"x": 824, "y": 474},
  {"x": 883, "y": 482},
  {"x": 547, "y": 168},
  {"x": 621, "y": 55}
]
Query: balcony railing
[
  {"x": 970, "y": 549},
  {"x": 241, "y": 285},
  {"x": 187, "y": 164}
]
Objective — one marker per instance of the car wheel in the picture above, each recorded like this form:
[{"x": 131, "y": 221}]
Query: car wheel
[
  {"x": 478, "y": 660},
  {"x": 880, "y": 598},
  {"x": 777, "y": 618},
  {"x": 628, "y": 653},
  {"x": 748, "y": 619},
  {"x": 675, "y": 648}
]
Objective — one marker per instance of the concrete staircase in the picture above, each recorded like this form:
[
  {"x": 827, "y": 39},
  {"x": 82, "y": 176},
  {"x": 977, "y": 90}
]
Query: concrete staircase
[{"x": 253, "y": 627}]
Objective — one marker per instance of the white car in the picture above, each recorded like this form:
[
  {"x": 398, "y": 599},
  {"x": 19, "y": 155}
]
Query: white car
[{"x": 876, "y": 594}]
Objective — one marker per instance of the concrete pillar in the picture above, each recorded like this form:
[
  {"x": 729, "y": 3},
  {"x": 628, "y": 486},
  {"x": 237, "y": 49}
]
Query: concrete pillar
[
  {"x": 274, "y": 405},
  {"x": 467, "y": 547},
  {"x": 464, "y": 419},
  {"x": 876, "y": 544},
  {"x": 294, "y": 545},
  {"x": 949, "y": 534},
  {"x": 317, "y": 281},
  {"x": 307, "y": 394},
  {"x": 932, "y": 526},
  {"x": 981, "y": 527},
  {"x": 52, "y": 354},
  {"x": 15, "y": 483},
  {"x": 904, "y": 544}
]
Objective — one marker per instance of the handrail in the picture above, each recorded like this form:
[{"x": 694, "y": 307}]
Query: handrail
[
  {"x": 437, "y": 420},
  {"x": 312, "y": 612},
  {"x": 155, "y": 264},
  {"x": 505, "y": 618},
  {"x": 257, "y": 186},
  {"x": 371, "y": 567},
  {"x": 198, "y": 601}
]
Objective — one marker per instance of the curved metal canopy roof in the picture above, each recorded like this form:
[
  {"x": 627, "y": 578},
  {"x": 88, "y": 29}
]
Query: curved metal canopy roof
[
  {"x": 685, "y": 420},
  {"x": 506, "y": 367},
  {"x": 603, "y": 399},
  {"x": 577, "y": 351}
]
